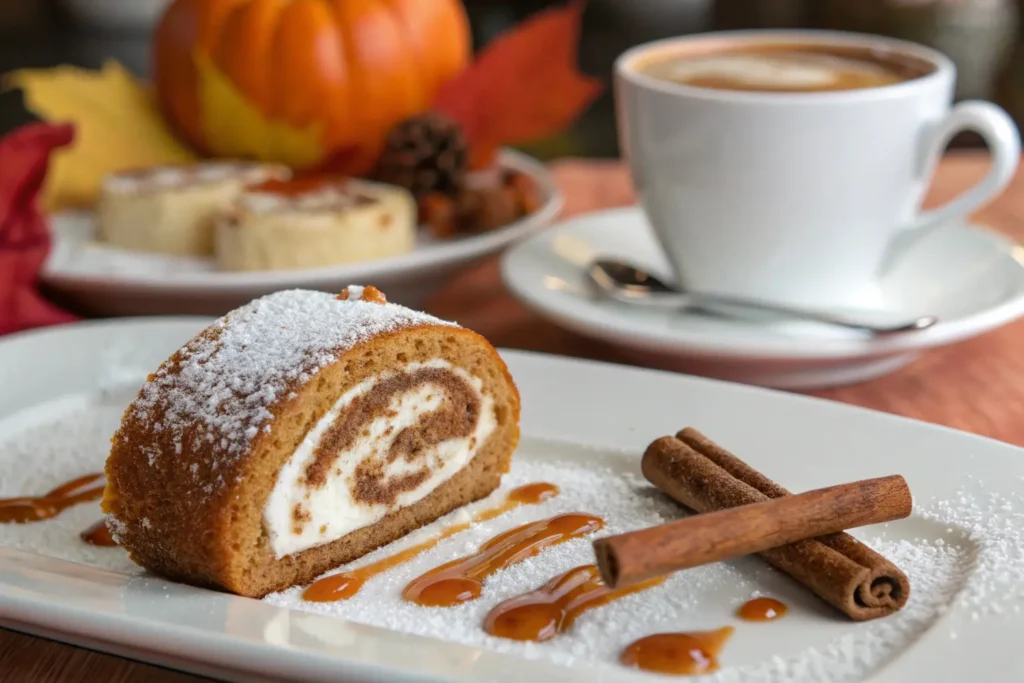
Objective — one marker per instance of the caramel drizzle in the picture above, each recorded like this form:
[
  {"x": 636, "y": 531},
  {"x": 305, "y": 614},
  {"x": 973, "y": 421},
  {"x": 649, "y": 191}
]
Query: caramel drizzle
[
  {"x": 677, "y": 653},
  {"x": 98, "y": 534},
  {"x": 762, "y": 609},
  {"x": 461, "y": 580},
  {"x": 26, "y": 509},
  {"x": 553, "y": 608},
  {"x": 343, "y": 586}
]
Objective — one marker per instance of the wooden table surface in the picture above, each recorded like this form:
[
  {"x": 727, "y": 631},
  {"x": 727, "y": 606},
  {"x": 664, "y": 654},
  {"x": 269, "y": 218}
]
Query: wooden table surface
[{"x": 977, "y": 385}]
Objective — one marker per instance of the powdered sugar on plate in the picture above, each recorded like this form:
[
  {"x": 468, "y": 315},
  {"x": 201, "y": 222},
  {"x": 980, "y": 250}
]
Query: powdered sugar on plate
[
  {"x": 703, "y": 598},
  {"x": 962, "y": 552},
  {"x": 43, "y": 456}
]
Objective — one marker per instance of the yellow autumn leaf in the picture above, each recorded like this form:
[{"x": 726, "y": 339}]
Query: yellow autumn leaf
[
  {"x": 117, "y": 122},
  {"x": 234, "y": 127}
]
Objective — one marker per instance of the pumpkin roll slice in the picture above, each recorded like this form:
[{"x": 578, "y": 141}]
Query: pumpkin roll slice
[
  {"x": 315, "y": 222},
  {"x": 300, "y": 432},
  {"x": 171, "y": 209}
]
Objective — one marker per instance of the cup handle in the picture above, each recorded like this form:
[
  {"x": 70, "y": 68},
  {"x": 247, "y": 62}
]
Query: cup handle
[{"x": 1001, "y": 137}]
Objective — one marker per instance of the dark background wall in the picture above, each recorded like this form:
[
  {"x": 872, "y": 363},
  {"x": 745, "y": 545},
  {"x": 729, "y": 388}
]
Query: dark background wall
[{"x": 982, "y": 36}]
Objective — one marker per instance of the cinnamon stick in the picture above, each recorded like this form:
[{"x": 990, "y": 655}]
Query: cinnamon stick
[
  {"x": 732, "y": 532},
  {"x": 841, "y": 570}
]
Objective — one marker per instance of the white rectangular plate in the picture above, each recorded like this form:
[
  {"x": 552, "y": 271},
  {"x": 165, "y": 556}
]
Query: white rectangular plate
[{"x": 585, "y": 426}]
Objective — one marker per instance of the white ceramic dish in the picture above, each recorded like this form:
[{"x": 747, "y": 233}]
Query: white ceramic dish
[
  {"x": 972, "y": 278},
  {"x": 962, "y": 547},
  {"x": 108, "y": 281}
]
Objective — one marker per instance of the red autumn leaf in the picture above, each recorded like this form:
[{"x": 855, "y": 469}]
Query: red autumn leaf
[{"x": 524, "y": 85}]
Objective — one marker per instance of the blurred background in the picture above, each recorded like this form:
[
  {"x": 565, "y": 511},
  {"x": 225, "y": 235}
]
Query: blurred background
[{"x": 984, "y": 37}]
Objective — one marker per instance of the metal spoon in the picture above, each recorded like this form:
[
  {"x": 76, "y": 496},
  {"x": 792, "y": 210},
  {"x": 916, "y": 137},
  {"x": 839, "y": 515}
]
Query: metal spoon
[{"x": 623, "y": 282}]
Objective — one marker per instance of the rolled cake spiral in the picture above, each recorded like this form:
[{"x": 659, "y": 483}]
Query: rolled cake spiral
[{"x": 302, "y": 431}]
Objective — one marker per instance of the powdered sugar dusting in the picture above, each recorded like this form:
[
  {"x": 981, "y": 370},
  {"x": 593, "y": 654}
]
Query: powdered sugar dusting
[
  {"x": 965, "y": 553},
  {"x": 833, "y": 649},
  {"x": 228, "y": 379},
  {"x": 41, "y": 457},
  {"x": 163, "y": 178}
]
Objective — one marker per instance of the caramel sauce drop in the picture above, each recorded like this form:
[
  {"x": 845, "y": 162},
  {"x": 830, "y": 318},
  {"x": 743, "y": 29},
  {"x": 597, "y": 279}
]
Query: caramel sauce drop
[
  {"x": 343, "y": 586},
  {"x": 23, "y": 510},
  {"x": 762, "y": 609},
  {"x": 98, "y": 534},
  {"x": 296, "y": 186},
  {"x": 528, "y": 494},
  {"x": 553, "y": 608},
  {"x": 461, "y": 580},
  {"x": 677, "y": 653}
]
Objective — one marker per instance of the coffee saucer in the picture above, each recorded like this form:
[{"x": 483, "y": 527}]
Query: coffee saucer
[{"x": 967, "y": 275}]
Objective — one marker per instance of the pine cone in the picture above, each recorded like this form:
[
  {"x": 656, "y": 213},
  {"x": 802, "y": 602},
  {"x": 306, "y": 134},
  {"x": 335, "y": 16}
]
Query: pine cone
[{"x": 424, "y": 154}]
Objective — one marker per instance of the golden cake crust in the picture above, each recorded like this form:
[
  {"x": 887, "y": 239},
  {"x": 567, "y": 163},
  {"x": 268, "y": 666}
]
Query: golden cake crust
[{"x": 188, "y": 483}]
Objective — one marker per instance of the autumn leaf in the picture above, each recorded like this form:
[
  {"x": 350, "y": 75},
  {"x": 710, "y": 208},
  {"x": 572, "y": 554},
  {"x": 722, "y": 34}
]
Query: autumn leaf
[
  {"x": 117, "y": 125},
  {"x": 523, "y": 86}
]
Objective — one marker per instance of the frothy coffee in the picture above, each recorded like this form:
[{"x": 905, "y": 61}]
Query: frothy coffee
[{"x": 785, "y": 68}]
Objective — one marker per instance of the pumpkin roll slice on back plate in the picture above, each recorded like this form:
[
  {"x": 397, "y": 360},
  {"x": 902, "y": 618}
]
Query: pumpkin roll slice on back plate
[
  {"x": 300, "y": 432},
  {"x": 173, "y": 209},
  {"x": 312, "y": 222}
]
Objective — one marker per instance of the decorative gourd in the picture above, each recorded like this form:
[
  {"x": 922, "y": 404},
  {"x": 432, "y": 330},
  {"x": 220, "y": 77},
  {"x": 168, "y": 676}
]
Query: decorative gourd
[{"x": 303, "y": 82}]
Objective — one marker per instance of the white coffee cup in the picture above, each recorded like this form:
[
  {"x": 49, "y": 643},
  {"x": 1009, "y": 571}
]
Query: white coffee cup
[{"x": 800, "y": 198}]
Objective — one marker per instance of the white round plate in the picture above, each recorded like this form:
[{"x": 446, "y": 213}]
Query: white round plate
[
  {"x": 971, "y": 278},
  {"x": 107, "y": 281},
  {"x": 962, "y": 548}
]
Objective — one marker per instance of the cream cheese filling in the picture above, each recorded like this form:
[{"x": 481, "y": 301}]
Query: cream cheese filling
[{"x": 330, "y": 510}]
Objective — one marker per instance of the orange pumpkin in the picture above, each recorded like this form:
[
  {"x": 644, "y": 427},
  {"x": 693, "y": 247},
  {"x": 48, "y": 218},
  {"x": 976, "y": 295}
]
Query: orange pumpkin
[{"x": 303, "y": 82}]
